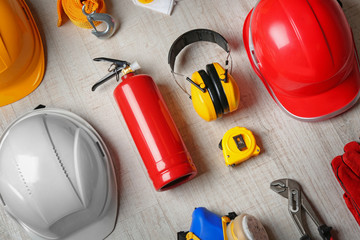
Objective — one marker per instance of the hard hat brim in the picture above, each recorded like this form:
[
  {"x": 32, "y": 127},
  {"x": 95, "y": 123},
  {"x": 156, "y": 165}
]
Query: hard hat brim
[
  {"x": 31, "y": 77},
  {"x": 316, "y": 107}
]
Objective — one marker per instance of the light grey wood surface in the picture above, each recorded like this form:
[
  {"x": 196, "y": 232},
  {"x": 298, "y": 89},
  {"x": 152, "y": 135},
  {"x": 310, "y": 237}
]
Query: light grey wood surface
[{"x": 289, "y": 148}]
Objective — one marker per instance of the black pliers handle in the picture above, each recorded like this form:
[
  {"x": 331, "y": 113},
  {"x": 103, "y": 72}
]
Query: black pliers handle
[{"x": 324, "y": 233}]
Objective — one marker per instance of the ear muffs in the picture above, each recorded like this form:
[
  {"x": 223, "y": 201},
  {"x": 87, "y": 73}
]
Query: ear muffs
[
  {"x": 211, "y": 96},
  {"x": 219, "y": 97},
  {"x": 207, "y": 103}
]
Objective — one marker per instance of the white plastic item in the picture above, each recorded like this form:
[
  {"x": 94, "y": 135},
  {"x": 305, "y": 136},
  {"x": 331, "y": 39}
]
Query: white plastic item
[
  {"x": 57, "y": 178},
  {"x": 162, "y": 6},
  {"x": 246, "y": 227}
]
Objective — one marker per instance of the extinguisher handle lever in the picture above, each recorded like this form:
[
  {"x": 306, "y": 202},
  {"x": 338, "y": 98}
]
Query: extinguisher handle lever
[
  {"x": 119, "y": 63},
  {"x": 114, "y": 70},
  {"x": 106, "y": 78}
]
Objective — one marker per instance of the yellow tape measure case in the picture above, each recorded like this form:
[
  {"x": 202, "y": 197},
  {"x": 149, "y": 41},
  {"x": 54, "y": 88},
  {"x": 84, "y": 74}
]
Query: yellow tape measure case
[{"x": 238, "y": 145}]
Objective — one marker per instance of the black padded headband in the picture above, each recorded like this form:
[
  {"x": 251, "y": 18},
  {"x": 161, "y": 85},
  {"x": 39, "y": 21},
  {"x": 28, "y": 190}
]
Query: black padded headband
[{"x": 192, "y": 36}]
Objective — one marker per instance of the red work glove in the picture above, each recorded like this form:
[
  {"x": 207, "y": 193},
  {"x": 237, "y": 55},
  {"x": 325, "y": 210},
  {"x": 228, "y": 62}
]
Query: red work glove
[{"x": 347, "y": 171}]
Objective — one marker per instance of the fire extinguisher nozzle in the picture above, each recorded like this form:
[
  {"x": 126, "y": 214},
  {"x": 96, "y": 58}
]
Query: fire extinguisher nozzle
[{"x": 135, "y": 66}]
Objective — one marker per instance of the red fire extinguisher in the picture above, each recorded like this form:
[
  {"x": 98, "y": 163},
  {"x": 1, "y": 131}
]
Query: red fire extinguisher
[{"x": 152, "y": 128}]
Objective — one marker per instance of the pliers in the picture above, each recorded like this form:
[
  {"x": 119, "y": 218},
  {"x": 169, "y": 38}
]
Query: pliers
[{"x": 297, "y": 202}]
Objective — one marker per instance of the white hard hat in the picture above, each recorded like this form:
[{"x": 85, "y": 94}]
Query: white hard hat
[{"x": 57, "y": 179}]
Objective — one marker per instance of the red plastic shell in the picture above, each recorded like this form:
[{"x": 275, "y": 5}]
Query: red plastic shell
[
  {"x": 154, "y": 132},
  {"x": 305, "y": 54}
]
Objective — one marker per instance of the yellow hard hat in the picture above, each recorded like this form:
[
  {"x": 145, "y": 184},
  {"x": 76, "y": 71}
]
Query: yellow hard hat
[{"x": 22, "y": 61}]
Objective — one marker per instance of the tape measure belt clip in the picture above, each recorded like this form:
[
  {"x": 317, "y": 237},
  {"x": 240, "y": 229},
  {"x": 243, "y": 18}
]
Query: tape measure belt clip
[{"x": 240, "y": 143}]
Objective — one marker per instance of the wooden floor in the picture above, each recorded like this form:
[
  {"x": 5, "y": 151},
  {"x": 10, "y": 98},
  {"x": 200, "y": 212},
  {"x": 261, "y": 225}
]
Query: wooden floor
[{"x": 289, "y": 148}]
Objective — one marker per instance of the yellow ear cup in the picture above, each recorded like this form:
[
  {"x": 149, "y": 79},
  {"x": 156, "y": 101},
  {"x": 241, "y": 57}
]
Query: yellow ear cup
[
  {"x": 202, "y": 101},
  {"x": 230, "y": 87}
]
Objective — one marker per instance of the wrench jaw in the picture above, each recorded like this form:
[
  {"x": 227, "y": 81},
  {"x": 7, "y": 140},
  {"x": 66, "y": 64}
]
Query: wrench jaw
[{"x": 280, "y": 187}]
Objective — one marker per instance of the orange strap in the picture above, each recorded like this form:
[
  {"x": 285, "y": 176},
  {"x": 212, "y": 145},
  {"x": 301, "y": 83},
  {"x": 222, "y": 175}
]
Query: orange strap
[{"x": 73, "y": 9}]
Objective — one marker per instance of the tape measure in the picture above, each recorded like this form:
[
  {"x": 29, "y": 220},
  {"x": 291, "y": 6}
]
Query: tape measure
[{"x": 238, "y": 145}]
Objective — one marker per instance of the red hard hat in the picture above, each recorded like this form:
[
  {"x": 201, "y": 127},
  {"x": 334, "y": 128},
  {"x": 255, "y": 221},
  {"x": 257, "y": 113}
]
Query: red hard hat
[{"x": 304, "y": 52}]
